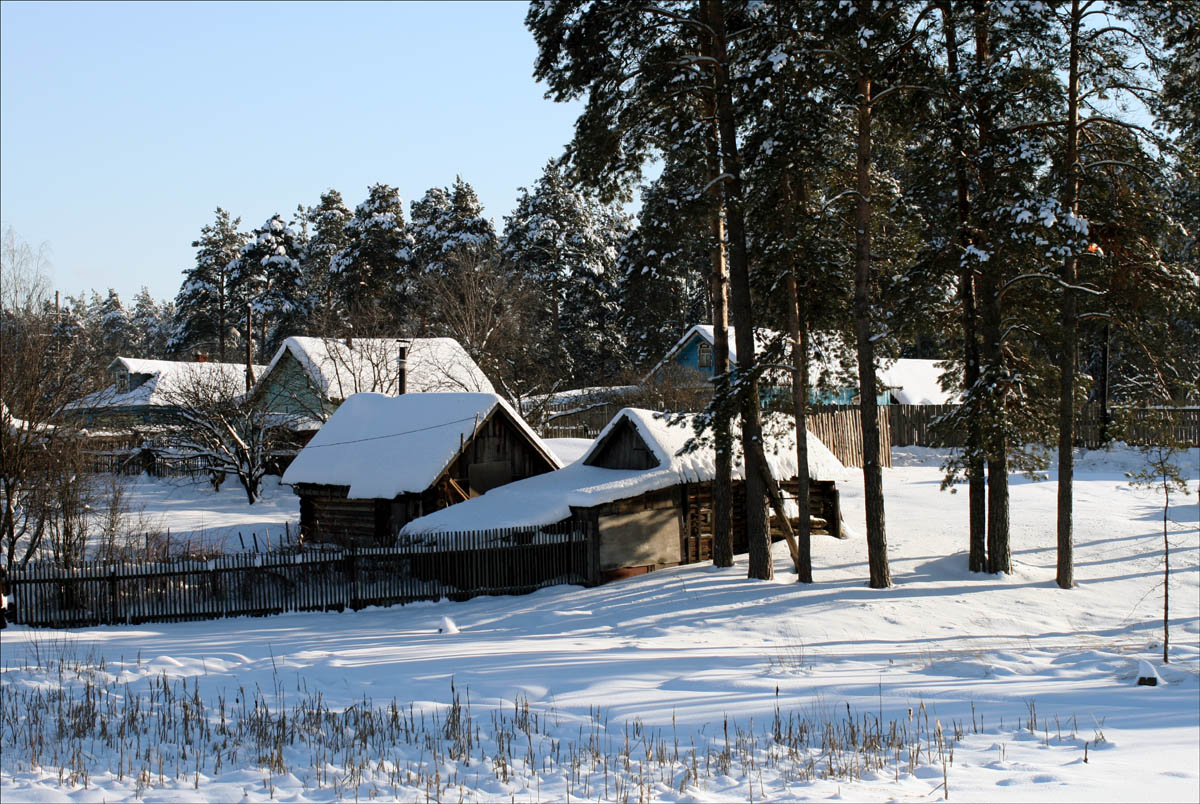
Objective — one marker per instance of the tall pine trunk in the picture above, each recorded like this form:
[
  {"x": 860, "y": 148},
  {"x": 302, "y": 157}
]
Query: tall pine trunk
[
  {"x": 222, "y": 321},
  {"x": 1070, "y": 324},
  {"x": 992, "y": 371},
  {"x": 976, "y": 486},
  {"x": 976, "y": 489},
  {"x": 797, "y": 316},
  {"x": 757, "y": 536},
  {"x": 868, "y": 407},
  {"x": 722, "y": 510},
  {"x": 999, "y": 551}
]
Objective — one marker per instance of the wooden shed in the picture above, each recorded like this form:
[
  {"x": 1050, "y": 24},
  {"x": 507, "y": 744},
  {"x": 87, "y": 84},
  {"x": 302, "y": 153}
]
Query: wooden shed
[
  {"x": 646, "y": 498},
  {"x": 382, "y": 461},
  {"x": 672, "y": 524}
]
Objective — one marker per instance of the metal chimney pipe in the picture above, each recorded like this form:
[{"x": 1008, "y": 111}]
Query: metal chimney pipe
[
  {"x": 401, "y": 367},
  {"x": 249, "y": 347}
]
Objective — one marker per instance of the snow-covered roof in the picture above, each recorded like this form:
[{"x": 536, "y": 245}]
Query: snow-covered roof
[
  {"x": 548, "y": 498},
  {"x": 381, "y": 446},
  {"x": 915, "y": 382},
  {"x": 338, "y": 369},
  {"x": 166, "y": 379}
]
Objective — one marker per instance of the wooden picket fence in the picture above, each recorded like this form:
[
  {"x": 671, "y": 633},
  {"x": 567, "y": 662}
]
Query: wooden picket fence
[
  {"x": 136, "y": 461},
  {"x": 452, "y": 565},
  {"x": 585, "y": 422}
]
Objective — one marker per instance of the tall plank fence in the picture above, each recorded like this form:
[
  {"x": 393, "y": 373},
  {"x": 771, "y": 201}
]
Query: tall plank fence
[
  {"x": 840, "y": 428},
  {"x": 454, "y": 565},
  {"x": 916, "y": 425}
]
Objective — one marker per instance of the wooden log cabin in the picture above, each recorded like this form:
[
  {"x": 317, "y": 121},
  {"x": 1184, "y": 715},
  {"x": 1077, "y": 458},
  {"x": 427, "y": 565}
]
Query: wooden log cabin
[
  {"x": 645, "y": 497},
  {"x": 382, "y": 461}
]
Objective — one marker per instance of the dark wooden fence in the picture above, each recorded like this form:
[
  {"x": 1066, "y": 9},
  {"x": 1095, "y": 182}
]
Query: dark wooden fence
[
  {"x": 453, "y": 565},
  {"x": 582, "y": 422},
  {"x": 137, "y": 461}
]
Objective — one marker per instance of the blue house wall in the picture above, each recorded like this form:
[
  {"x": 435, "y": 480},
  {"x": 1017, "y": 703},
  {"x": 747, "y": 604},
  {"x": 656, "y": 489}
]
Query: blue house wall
[{"x": 688, "y": 356}]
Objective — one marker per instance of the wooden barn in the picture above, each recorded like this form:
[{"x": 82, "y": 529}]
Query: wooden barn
[
  {"x": 382, "y": 461},
  {"x": 646, "y": 498}
]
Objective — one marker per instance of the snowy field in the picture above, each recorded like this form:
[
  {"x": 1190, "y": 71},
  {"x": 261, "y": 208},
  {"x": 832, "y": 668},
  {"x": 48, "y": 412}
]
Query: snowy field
[{"x": 690, "y": 684}]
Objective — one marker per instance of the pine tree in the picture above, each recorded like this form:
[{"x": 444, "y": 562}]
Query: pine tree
[
  {"x": 114, "y": 326},
  {"x": 150, "y": 325},
  {"x": 206, "y": 312},
  {"x": 449, "y": 232},
  {"x": 266, "y": 275},
  {"x": 77, "y": 334},
  {"x": 327, "y": 238},
  {"x": 446, "y": 221},
  {"x": 642, "y": 69},
  {"x": 566, "y": 243},
  {"x": 165, "y": 327},
  {"x": 870, "y": 53},
  {"x": 1091, "y": 144},
  {"x": 1142, "y": 331},
  {"x": 997, "y": 83},
  {"x": 430, "y": 218},
  {"x": 373, "y": 279},
  {"x": 794, "y": 151}
]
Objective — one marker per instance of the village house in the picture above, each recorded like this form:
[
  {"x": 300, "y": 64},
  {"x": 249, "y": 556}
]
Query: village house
[
  {"x": 644, "y": 495},
  {"x": 382, "y": 461},
  {"x": 149, "y": 392},
  {"x": 308, "y": 378},
  {"x": 905, "y": 381}
]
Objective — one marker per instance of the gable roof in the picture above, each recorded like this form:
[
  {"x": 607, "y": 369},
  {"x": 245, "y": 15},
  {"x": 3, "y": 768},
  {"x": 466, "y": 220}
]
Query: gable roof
[
  {"x": 381, "y": 446},
  {"x": 337, "y": 370},
  {"x": 548, "y": 498},
  {"x": 667, "y": 437},
  {"x": 705, "y": 332},
  {"x": 167, "y": 378}
]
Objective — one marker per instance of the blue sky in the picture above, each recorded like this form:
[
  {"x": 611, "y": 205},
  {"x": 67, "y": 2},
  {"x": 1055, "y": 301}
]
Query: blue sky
[{"x": 123, "y": 126}]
